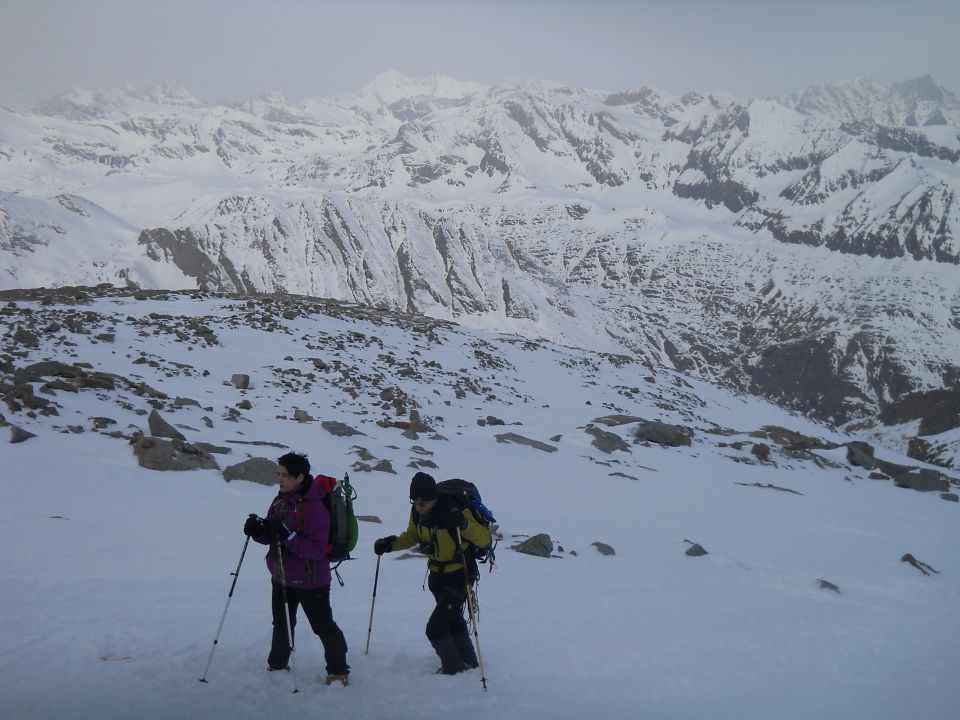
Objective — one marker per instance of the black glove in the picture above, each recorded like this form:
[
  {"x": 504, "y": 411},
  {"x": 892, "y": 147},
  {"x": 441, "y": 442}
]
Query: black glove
[
  {"x": 456, "y": 520},
  {"x": 275, "y": 529},
  {"x": 384, "y": 545},
  {"x": 253, "y": 527}
]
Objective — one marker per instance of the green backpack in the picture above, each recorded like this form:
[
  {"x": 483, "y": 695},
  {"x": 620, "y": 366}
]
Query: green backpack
[{"x": 344, "y": 530}]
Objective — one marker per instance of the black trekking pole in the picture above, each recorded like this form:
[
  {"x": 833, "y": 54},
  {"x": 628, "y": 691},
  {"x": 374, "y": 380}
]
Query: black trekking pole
[
  {"x": 288, "y": 618},
  {"x": 473, "y": 614},
  {"x": 373, "y": 602},
  {"x": 224, "y": 616}
]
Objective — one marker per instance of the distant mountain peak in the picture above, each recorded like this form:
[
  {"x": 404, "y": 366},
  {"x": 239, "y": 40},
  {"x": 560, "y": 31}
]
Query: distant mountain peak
[
  {"x": 79, "y": 104},
  {"x": 917, "y": 101},
  {"x": 390, "y": 86},
  {"x": 923, "y": 88}
]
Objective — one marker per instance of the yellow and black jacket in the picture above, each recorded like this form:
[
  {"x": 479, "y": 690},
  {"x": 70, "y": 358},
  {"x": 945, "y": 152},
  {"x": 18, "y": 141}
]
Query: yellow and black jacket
[{"x": 437, "y": 542}]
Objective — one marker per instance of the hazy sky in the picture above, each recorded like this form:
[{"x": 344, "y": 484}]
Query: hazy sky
[{"x": 241, "y": 48}]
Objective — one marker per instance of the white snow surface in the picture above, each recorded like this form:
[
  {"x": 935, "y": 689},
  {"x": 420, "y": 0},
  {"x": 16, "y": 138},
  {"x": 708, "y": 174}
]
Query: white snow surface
[{"x": 114, "y": 577}]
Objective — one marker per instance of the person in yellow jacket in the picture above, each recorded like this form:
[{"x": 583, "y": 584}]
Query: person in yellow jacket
[{"x": 433, "y": 526}]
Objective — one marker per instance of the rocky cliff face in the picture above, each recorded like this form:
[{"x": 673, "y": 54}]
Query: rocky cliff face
[{"x": 805, "y": 249}]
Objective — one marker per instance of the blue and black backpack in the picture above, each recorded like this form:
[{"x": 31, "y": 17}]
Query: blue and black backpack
[{"x": 464, "y": 495}]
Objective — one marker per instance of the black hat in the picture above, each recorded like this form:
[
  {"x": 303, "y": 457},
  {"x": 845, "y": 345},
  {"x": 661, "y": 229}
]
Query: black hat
[{"x": 423, "y": 487}]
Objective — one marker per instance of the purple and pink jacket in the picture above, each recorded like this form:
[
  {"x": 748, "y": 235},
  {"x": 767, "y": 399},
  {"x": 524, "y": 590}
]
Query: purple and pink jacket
[{"x": 305, "y": 561}]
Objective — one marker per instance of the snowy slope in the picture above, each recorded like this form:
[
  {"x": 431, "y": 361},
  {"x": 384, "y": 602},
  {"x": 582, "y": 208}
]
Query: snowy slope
[{"x": 120, "y": 574}]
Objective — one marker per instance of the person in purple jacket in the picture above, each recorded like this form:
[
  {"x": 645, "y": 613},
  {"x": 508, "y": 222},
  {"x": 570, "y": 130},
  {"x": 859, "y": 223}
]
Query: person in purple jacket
[{"x": 296, "y": 529}]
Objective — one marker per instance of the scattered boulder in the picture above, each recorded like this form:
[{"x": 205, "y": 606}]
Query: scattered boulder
[
  {"x": 240, "y": 381},
  {"x": 521, "y": 440},
  {"x": 257, "y": 469},
  {"x": 339, "y": 429},
  {"x": 540, "y": 545},
  {"x": 952, "y": 497},
  {"x": 695, "y": 549},
  {"x": 159, "y": 454},
  {"x": 606, "y": 442},
  {"x": 185, "y": 402},
  {"x": 385, "y": 466},
  {"x": 827, "y": 585},
  {"x": 761, "y": 451},
  {"x": 161, "y": 428},
  {"x": 99, "y": 423},
  {"x": 19, "y": 435},
  {"x": 663, "y": 433},
  {"x": 922, "y": 480},
  {"x": 861, "y": 454},
  {"x": 302, "y": 416},
  {"x": 603, "y": 548}
]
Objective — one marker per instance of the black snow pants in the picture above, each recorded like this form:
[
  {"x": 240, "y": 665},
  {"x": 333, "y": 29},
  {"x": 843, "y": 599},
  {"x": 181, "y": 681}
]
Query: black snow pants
[
  {"x": 316, "y": 606},
  {"x": 446, "y": 628}
]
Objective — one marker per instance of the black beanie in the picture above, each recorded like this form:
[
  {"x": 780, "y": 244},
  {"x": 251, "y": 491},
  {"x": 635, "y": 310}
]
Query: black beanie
[{"x": 423, "y": 487}]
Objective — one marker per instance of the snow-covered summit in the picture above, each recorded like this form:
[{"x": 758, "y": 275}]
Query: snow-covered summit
[
  {"x": 919, "y": 101},
  {"x": 390, "y": 86}
]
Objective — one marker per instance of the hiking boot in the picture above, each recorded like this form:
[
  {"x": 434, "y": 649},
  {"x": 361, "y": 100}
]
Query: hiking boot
[
  {"x": 342, "y": 679},
  {"x": 465, "y": 648},
  {"x": 450, "y": 662},
  {"x": 452, "y": 670}
]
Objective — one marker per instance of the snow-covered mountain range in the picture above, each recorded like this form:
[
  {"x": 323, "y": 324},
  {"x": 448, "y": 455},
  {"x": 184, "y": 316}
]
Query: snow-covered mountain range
[{"x": 804, "y": 248}]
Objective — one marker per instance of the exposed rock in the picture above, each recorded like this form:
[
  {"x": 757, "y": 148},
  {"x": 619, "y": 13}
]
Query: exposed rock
[
  {"x": 369, "y": 519},
  {"x": 339, "y": 429},
  {"x": 793, "y": 441},
  {"x": 615, "y": 420},
  {"x": 25, "y": 338},
  {"x": 695, "y": 549},
  {"x": 159, "y": 454},
  {"x": 603, "y": 548},
  {"x": 302, "y": 416},
  {"x": 663, "y": 433},
  {"x": 860, "y": 454},
  {"x": 257, "y": 469},
  {"x": 18, "y": 434},
  {"x": 937, "y": 410},
  {"x": 827, "y": 585},
  {"x": 245, "y": 405},
  {"x": 761, "y": 451},
  {"x": 922, "y": 480},
  {"x": 769, "y": 486},
  {"x": 952, "y": 497},
  {"x": 161, "y": 428},
  {"x": 521, "y": 440},
  {"x": 46, "y": 368},
  {"x": 385, "y": 466},
  {"x": 540, "y": 545},
  {"x": 99, "y": 423},
  {"x": 240, "y": 381},
  {"x": 184, "y": 402},
  {"x": 606, "y": 442},
  {"x": 213, "y": 449}
]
